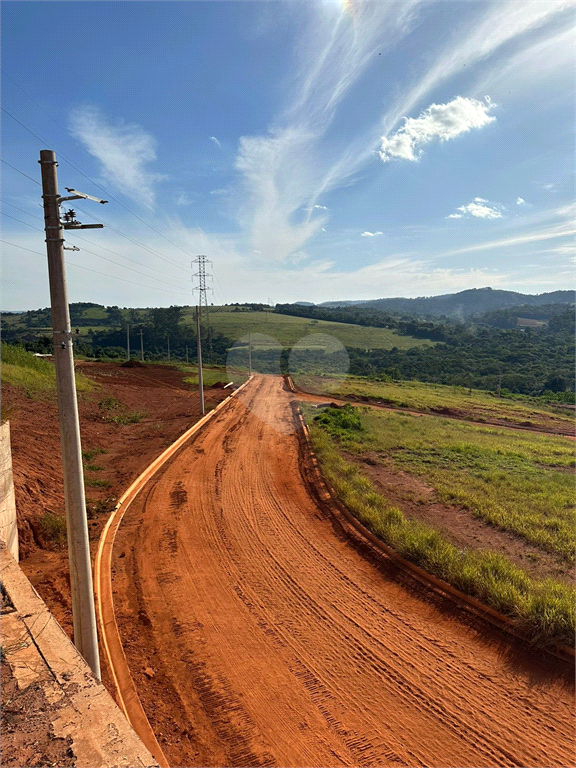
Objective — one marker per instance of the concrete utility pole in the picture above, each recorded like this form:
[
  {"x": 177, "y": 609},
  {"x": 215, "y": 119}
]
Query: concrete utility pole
[
  {"x": 249, "y": 354},
  {"x": 141, "y": 347},
  {"x": 199, "y": 355},
  {"x": 128, "y": 341},
  {"x": 84, "y": 617}
]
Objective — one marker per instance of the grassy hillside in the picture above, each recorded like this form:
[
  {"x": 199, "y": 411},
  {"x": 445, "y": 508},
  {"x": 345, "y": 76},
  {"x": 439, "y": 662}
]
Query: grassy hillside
[
  {"x": 33, "y": 374},
  {"x": 288, "y": 330},
  {"x": 473, "y": 405}
]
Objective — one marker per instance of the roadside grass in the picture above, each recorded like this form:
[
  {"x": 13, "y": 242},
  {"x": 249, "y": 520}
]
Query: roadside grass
[
  {"x": 97, "y": 483},
  {"x": 35, "y": 375},
  {"x": 542, "y": 609},
  {"x": 95, "y": 508},
  {"x": 89, "y": 453},
  {"x": 429, "y": 398},
  {"x": 521, "y": 482}
]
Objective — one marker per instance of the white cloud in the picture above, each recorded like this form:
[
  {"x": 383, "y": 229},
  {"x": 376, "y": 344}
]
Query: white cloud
[
  {"x": 480, "y": 211},
  {"x": 215, "y": 140},
  {"x": 123, "y": 150},
  {"x": 370, "y": 234},
  {"x": 520, "y": 201},
  {"x": 321, "y": 207},
  {"x": 454, "y": 216},
  {"x": 548, "y": 56},
  {"x": 480, "y": 200},
  {"x": 501, "y": 23},
  {"x": 497, "y": 24},
  {"x": 441, "y": 121}
]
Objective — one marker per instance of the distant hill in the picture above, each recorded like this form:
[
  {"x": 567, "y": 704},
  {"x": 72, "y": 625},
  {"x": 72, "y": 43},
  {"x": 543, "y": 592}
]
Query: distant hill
[{"x": 475, "y": 301}]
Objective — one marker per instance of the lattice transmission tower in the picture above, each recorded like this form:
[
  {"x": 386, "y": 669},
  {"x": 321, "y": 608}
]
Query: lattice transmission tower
[{"x": 203, "y": 305}]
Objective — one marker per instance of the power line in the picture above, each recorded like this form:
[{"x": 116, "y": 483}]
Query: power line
[
  {"x": 129, "y": 237},
  {"x": 98, "y": 255},
  {"x": 91, "y": 252},
  {"x": 122, "y": 234},
  {"x": 5, "y": 202},
  {"x": 82, "y": 172},
  {"x": 154, "y": 269},
  {"x": 21, "y": 222},
  {"x": 34, "y": 100},
  {"x": 81, "y": 266},
  {"x": 24, "y": 126},
  {"x": 21, "y": 172}
]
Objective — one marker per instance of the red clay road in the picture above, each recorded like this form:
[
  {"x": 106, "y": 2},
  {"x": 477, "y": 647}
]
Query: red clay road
[{"x": 271, "y": 638}]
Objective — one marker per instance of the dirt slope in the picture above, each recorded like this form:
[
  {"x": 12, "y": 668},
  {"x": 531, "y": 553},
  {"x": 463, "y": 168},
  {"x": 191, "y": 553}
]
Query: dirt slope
[
  {"x": 266, "y": 637},
  {"x": 168, "y": 407}
]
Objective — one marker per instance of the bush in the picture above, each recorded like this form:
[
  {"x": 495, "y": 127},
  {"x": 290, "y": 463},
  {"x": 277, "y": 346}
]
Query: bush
[{"x": 53, "y": 528}]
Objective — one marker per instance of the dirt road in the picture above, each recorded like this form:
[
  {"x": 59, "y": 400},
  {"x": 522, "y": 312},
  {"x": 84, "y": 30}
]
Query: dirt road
[{"x": 266, "y": 637}]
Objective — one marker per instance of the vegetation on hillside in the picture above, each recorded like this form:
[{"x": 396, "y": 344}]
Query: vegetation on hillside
[
  {"x": 472, "y": 301},
  {"x": 34, "y": 374},
  {"x": 461, "y": 402},
  {"x": 487, "y": 351},
  {"x": 101, "y": 331},
  {"x": 530, "y": 361}
]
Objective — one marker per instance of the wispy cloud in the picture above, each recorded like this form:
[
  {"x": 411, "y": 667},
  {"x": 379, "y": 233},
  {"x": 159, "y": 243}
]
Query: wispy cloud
[
  {"x": 548, "y": 233},
  {"x": 183, "y": 198},
  {"x": 321, "y": 207},
  {"x": 371, "y": 234},
  {"x": 123, "y": 150},
  {"x": 438, "y": 121},
  {"x": 496, "y": 25},
  {"x": 215, "y": 140},
  {"x": 520, "y": 201},
  {"x": 281, "y": 172}
]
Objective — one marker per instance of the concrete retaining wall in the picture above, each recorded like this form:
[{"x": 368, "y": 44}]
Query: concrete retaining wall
[
  {"x": 8, "y": 525},
  {"x": 77, "y": 706}
]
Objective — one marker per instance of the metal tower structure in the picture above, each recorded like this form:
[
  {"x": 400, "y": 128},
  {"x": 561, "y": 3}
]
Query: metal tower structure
[{"x": 203, "y": 304}]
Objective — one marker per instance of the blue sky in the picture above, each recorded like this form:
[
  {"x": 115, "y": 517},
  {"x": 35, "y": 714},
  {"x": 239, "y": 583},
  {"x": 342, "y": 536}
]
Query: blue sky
[{"x": 314, "y": 150}]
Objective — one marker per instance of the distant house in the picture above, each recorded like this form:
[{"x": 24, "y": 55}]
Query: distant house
[{"x": 527, "y": 322}]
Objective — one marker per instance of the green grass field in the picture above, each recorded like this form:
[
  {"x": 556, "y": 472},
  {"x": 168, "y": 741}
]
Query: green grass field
[
  {"x": 418, "y": 396},
  {"x": 34, "y": 374},
  {"x": 287, "y": 330},
  {"x": 518, "y": 482}
]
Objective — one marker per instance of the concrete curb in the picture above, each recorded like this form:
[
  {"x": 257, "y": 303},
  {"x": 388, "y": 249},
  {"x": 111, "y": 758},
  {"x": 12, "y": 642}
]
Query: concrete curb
[
  {"x": 126, "y": 692},
  {"x": 39, "y": 652},
  {"x": 327, "y": 495}
]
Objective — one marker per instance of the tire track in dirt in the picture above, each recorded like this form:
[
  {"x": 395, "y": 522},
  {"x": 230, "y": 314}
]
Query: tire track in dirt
[{"x": 280, "y": 644}]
